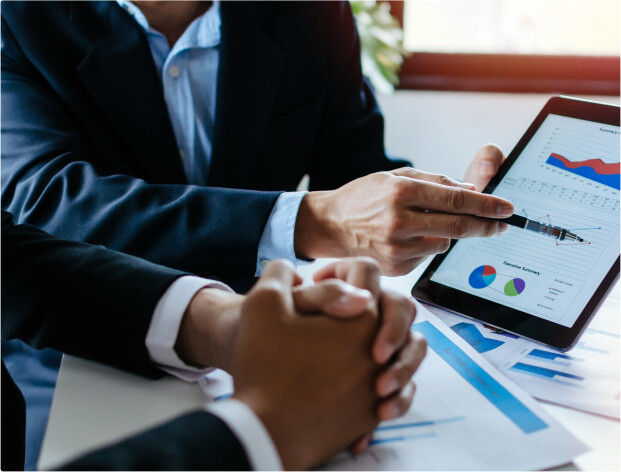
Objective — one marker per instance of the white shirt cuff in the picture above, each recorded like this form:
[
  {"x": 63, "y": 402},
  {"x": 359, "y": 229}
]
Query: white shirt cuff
[
  {"x": 165, "y": 323},
  {"x": 251, "y": 433},
  {"x": 278, "y": 235}
]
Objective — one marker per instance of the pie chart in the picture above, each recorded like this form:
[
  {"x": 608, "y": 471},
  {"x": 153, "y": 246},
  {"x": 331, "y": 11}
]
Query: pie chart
[
  {"x": 483, "y": 276},
  {"x": 514, "y": 287}
]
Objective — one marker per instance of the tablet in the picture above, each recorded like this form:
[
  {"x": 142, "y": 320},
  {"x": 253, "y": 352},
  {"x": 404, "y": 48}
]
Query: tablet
[{"x": 564, "y": 171}]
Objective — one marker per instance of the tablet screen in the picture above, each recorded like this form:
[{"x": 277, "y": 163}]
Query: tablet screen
[{"x": 567, "y": 175}]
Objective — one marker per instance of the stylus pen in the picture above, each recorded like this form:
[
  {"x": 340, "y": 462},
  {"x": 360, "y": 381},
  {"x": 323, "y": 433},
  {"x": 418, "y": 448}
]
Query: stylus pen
[{"x": 536, "y": 226}]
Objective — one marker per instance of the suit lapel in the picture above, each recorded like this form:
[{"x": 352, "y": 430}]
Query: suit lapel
[
  {"x": 120, "y": 74},
  {"x": 249, "y": 75}
]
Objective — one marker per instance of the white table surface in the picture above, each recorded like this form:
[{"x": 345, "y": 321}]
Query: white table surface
[{"x": 94, "y": 404}]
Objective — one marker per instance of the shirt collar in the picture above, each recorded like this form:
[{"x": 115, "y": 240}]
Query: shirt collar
[{"x": 203, "y": 32}]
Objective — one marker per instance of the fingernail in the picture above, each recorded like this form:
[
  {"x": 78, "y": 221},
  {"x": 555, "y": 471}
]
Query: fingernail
[
  {"x": 506, "y": 209},
  {"x": 385, "y": 351},
  {"x": 393, "y": 412},
  {"x": 486, "y": 169},
  {"x": 390, "y": 386},
  {"x": 351, "y": 295}
]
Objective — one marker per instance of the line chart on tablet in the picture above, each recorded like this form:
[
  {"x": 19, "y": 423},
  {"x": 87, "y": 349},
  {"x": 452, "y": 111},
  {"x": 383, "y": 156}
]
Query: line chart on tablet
[
  {"x": 581, "y": 156},
  {"x": 604, "y": 200},
  {"x": 574, "y": 259}
]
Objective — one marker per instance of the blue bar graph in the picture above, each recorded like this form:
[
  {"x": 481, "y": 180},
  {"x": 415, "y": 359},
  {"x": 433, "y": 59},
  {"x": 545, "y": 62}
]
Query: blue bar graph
[
  {"x": 407, "y": 437},
  {"x": 551, "y": 355},
  {"x": 475, "y": 338},
  {"x": 419, "y": 423},
  {"x": 543, "y": 372},
  {"x": 494, "y": 392}
]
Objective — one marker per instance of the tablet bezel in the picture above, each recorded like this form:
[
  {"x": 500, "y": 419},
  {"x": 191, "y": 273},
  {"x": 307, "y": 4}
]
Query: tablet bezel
[{"x": 491, "y": 313}]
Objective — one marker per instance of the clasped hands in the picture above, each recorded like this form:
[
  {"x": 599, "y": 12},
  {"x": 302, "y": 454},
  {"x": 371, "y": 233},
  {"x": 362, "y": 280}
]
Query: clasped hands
[
  {"x": 321, "y": 383},
  {"x": 320, "y": 365}
]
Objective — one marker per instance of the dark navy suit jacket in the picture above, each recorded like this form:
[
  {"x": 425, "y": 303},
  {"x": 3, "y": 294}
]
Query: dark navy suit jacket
[{"x": 89, "y": 154}]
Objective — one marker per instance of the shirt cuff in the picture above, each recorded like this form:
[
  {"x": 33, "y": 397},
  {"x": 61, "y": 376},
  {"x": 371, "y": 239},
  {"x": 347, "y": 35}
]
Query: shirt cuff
[
  {"x": 277, "y": 238},
  {"x": 165, "y": 323},
  {"x": 251, "y": 433}
]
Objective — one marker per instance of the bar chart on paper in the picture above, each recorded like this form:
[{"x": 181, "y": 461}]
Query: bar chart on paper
[
  {"x": 585, "y": 378},
  {"x": 465, "y": 416}
]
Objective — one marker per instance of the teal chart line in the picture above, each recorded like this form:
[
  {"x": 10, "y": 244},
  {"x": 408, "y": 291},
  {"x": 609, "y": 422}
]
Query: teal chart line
[{"x": 490, "y": 388}]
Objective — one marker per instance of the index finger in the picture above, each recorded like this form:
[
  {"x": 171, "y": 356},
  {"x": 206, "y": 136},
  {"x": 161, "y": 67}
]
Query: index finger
[
  {"x": 361, "y": 272},
  {"x": 279, "y": 274},
  {"x": 456, "y": 200},
  {"x": 429, "y": 177}
]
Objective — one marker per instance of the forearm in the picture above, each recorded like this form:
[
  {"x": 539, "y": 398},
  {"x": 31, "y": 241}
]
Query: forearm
[
  {"x": 125, "y": 214},
  {"x": 79, "y": 299}
]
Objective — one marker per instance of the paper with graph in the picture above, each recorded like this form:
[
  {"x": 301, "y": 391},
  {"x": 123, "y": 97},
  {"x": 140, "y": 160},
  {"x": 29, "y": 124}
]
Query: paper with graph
[
  {"x": 465, "y": 416},
  {"x": 585, "y": 378}
]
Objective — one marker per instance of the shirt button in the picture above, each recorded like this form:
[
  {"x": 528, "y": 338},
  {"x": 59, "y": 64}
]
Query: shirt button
[
  {"x": 181, "y": 154},
  {"x": 174, "y": 71}
]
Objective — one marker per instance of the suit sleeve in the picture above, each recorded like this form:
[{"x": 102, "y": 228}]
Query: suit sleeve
[
  {"x": 77, "y": 298},
  {"x": 351, "y": 138},
  {"x": 196, "y": 441},
  {"x": 51, "y": 180}
]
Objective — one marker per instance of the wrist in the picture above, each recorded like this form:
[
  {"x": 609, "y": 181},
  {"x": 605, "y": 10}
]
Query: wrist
[
  {"x": 317, "y": 228},
  {"x": 292, "y": 456},
  {"x": 208, "y": 328}
]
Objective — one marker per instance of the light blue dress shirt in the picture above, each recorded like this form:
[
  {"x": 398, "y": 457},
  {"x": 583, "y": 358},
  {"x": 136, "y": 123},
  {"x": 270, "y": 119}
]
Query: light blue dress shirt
[{"x": 189, "y": 74}]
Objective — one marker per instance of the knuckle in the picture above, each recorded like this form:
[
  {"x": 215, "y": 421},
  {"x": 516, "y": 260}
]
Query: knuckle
[
  {"x": 334, "y": 287},
  {"x": 393, "y": 228},
  {"x": 368, "y": 264},
  {"x": 269, "y": 292},
  {"x": 458, "y": 228},
  {"x": 444, "y": 246},
  {"x": 406, "y": 306},
  {"x": 490, "y": 229},
  {"x": 489, "y": 207},
  {"x": 456, "y": 199},
  {"x": 400, "y": 189},
  {"x": 445, "y": 180}
]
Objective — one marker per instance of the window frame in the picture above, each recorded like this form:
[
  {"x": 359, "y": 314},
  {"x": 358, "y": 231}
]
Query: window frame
[{"x": 521, "y": 73}]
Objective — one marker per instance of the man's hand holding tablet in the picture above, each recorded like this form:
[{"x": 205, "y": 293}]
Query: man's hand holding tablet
[{"x": 546, "y": 277}]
